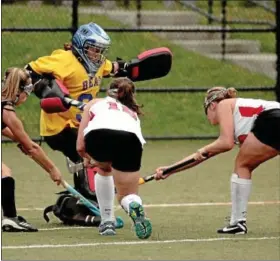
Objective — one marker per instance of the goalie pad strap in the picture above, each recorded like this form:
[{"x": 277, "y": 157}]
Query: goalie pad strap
[{"x": 61, "y": 86}]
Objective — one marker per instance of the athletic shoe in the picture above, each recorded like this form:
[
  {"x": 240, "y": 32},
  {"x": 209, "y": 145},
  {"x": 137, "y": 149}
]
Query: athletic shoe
[
  {"x": 239, "y": 228},
  {"x": 107, "y": 229},
  {"x": 17, "y": 224},
  {"x": 119, "y": 223},
  {"x": 143, "y": 226}
]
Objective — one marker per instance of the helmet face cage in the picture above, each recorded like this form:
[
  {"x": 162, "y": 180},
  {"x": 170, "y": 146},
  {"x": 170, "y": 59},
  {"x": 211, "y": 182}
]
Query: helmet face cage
[
  {"x": 90, "y": 45},
  {"x": 94, "y": 54},
  {"x": 28, "y": 88}
]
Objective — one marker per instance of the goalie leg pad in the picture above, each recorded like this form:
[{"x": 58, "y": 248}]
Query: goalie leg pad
[
  {"x": 54, "y": 105},
  {"x": 70, "y": 212},
  {"x": 84, "y": 183},
  {"x": 74, "y": 167}
]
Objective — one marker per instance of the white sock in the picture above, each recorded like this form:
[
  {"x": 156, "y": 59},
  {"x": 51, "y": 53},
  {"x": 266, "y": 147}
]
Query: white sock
[
  {"x": 240, "y": 192},
  {"x": 128, "y": 199},
  {"x": 244, "y": 191},
  {"x": 234, "y": 204},
  {"x": 105, "y": 193}
]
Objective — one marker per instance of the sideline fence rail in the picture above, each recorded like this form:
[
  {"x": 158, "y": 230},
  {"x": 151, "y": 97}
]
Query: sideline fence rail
[{"x": 222, "y": 19}]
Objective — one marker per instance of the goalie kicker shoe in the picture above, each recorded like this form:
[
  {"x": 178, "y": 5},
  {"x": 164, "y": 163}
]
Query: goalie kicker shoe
[
  {"x": 107, "y": 228},
  {"x": 17, "y": 224},
  {"x": 239, "y": 228},
  {"x": 143, "y": 226}
]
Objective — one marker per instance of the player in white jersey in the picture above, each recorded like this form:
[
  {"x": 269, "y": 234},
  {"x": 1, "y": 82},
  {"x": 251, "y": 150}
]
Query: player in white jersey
[
  {"x": 110, "y": 134},
  {"x": 255, "y": 125}
]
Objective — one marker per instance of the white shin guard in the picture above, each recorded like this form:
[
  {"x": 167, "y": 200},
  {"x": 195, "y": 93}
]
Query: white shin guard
[
  {"x": 105, "y": 192},
  {"x": 240, "y": 192}
]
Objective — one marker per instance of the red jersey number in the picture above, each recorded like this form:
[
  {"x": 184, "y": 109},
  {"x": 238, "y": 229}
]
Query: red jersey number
[{"x": 114, "y": 106}]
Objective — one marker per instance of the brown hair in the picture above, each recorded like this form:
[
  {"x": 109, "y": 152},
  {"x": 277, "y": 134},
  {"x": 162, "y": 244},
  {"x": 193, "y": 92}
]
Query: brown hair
[
  {"x": 217, "y": 94},
  {"x": 67, "y": 46},
  {"x": 123, "y": 89},
  {"x": 13, "y": 80}
]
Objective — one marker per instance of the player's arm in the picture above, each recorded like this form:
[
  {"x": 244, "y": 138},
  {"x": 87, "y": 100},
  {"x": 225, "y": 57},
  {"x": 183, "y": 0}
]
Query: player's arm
[
  {"x": 225, "y": 142},
  {"x": 8, "y": 133},
  {"x": 35, "y": 76},
  {"x": 111, "y": 68},
  {"x": 41, "y": 76},
  {"x": 83, "y": 124},
  {"x": 29, "y": 147},
  {"x": 48, "y": 68},
  {"x": 48, "y": 89}
]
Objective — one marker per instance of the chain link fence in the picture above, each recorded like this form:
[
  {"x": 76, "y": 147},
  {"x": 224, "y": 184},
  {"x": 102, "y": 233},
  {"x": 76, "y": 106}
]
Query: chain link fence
[{"x": 231, "y": 32}]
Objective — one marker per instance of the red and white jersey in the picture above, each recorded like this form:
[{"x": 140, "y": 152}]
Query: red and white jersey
[
  {"x": 109, "y": 113},
  {"x": 245, "y": 114}
]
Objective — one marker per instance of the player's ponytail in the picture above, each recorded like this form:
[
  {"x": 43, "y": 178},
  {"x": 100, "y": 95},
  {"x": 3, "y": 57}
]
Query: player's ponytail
[
  {"x": 231, "y": 93},
  {"x": 217, "y": 94},
  {"x": 123, "y": 89},
  {"x": 67, "y": 46}
]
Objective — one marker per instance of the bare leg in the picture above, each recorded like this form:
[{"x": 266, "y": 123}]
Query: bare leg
[
  {"x": 252, "y": 153},
  {"x": 127, "y": 188}
]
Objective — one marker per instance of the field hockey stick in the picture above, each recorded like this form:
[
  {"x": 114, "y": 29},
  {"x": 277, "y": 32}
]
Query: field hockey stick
[
  {"x": 81, "y": 198},
  {"x": 167, "y": 171},
  {"x": 118, "y": 223},
  {"x": 80, "y": 105}
]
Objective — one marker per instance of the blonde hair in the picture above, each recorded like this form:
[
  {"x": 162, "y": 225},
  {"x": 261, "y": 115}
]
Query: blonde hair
[
  {"x": 123, "y": 89},
  {"x": 13, "y": 80},
  {"x": 217, "y": 94}
]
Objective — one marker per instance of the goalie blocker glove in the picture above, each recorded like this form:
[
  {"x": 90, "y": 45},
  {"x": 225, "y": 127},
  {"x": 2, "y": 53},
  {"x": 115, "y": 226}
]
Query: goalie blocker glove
[{"x": 151, "y": 64}]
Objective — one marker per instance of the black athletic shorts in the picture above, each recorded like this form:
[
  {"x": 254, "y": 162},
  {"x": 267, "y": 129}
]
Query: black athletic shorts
[
  {"x": 122, "y": 148},
  {"x": 65, "y": 141},
  {"x": 267, "y": 128}
]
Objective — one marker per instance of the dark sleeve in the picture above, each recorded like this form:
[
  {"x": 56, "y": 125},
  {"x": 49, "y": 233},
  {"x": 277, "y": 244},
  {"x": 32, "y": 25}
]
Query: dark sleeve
[{"x": 36, "y": 76}]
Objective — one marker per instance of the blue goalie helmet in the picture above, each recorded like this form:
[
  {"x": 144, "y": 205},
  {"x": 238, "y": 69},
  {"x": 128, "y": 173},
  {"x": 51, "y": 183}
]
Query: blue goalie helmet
[{"x": 90, "y": 44}]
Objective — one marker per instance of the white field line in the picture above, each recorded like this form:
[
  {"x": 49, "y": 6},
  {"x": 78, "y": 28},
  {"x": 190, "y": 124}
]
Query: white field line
[
  {"x": 64, "y": 228},
  {"x": 141, "y": 242},
  {"x": 203, "y": 204}
]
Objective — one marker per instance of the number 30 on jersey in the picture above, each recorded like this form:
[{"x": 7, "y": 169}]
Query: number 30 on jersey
[{"x": 85, "y": 97}]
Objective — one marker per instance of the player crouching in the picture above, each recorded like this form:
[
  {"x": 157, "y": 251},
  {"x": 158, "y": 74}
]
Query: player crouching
[{"x": 110, "y": 133}]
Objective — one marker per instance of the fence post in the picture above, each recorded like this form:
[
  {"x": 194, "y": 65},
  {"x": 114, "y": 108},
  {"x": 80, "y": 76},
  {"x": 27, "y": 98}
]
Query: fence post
[
  {"x": 224, "y": 23},
  {"x": 277, "y": 36},
  {"x": 210, "y": 11},
  {"x": 126, "y": 3},
  {"x": 75, "y": 23},
  {"x": 139, "y": 7}
]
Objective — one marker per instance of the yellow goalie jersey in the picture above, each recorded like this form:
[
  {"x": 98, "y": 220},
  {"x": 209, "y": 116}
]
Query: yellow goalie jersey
[{"x": 64, "y": 66}]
